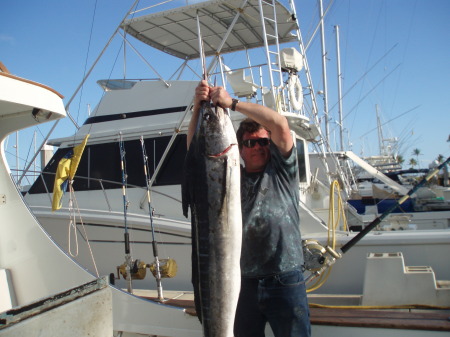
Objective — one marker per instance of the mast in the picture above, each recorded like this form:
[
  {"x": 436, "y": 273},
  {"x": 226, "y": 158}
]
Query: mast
[
  {"x": 380, "y": 132},
  {"x": 324, "y": 73},
  {"x": 338, "y": 61}
]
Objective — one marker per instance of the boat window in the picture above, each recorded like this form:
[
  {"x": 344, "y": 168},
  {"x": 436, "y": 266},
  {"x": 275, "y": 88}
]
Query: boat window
[
  {"x": 301, "y": 159},
  {"x": 102, "y": 162}
]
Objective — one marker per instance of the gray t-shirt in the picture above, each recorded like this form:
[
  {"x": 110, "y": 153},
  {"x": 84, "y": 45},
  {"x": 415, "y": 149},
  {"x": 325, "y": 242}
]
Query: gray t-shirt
[{"x": 271, "y": 240}]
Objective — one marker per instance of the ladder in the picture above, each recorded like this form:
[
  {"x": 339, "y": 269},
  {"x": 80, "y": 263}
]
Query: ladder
[{"x": 268, "y": 14}]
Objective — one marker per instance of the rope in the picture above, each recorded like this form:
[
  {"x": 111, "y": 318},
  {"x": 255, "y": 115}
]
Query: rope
[
  {"x": 72, "y": 224},
  {"x": 333, "y": 223}
]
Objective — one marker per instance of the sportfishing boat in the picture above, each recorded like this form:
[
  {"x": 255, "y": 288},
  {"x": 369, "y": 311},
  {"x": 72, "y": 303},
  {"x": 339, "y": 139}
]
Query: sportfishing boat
[{"x": 122, "y": 212}]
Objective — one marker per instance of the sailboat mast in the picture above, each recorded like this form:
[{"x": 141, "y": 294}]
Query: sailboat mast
[
  {"x": 380, "y": 132},
  {"x": 324, "y": 73},
  {"x": 338, "y": 61}
]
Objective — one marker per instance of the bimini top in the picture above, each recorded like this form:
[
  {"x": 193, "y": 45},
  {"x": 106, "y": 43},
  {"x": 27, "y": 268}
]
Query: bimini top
[{"x": 175, "y": 31}]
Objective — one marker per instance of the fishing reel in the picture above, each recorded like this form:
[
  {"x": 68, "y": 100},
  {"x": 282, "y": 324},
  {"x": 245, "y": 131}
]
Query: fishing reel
[
  {"x": 167, "y": 268},
  {"x": 318, "y": 258},
  {"x": 138, "y": 270}
]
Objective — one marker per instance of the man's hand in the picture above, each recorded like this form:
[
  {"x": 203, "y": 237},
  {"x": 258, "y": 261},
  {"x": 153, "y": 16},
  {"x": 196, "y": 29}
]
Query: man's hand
[
  {"x": 221, "y": 97},
  {"x": 202, "y": 93}
]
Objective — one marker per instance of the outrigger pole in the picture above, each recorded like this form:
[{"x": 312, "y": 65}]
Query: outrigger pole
[
  {"x": 128, "y": 259},
  {"x": 330, "y": 256},
  {"x": 150, "y": 212}
]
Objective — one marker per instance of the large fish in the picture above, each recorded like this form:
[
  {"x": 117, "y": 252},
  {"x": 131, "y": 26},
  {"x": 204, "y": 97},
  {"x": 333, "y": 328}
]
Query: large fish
[{"x": 211, "y": 188}]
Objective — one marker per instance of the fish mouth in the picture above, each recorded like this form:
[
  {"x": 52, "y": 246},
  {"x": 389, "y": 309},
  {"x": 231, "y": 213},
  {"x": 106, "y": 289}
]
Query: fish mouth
[{"x": 224, "y": 152}]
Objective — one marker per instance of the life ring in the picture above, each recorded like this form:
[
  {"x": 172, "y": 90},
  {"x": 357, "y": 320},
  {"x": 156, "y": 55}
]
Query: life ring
[{"x": 295, "y": 92}]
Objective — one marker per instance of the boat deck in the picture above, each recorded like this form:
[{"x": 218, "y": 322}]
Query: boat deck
[{"x": 349, "y": 316}]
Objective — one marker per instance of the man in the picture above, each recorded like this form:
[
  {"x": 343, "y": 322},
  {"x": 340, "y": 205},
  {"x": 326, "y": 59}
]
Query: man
[{"x": 272, "y": 285}]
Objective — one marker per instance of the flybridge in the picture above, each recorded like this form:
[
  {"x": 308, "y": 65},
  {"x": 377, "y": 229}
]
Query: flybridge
[{"x": 175, "y": 31}]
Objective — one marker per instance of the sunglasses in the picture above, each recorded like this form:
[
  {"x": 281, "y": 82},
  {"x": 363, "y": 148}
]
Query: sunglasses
[{"x": 252, "y": 142}]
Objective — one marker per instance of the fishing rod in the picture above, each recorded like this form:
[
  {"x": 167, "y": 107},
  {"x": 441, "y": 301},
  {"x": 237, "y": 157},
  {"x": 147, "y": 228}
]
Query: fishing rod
[
  {"x": 131, "y": 269},
  {"x": 201, "y": 50},
  {"x": 150, "y": 212},
  {"x": 328, "y": 256},
  {"x": 128, "y": 259}
]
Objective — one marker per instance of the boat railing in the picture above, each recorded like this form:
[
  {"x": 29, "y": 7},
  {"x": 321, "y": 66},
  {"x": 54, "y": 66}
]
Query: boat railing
[
  {"x": 101, "y": 182},
  {"x": 249, "y": 82}
]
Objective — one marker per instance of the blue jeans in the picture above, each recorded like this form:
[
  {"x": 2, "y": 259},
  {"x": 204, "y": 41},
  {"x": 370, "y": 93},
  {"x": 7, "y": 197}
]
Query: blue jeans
[{"x": 280, "y": 300}]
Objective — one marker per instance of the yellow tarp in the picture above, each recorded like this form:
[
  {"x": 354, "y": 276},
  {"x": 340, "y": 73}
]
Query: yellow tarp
[{"x": 67, "y": 167}]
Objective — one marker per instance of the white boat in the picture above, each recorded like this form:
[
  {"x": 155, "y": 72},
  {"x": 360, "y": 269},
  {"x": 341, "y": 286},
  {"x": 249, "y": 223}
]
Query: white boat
[
  {"x": 158, "y": 111},
  {"x": 43, "y": 290},
  {"x": 32, "y": 299}
]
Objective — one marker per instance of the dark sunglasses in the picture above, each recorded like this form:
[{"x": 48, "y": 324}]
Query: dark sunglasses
[{"x": 252, "y": 142}]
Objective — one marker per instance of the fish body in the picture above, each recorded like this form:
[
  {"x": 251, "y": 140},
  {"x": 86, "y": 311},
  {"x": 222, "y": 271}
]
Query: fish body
[{"x": 211, "y": 189}]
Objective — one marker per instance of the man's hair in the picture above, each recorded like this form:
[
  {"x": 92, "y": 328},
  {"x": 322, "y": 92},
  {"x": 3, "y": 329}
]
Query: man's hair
[{"x": 250, "y": 126}]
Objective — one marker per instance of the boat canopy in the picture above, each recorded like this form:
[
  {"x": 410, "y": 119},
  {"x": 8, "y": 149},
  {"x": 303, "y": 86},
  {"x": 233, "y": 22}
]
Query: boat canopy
[{"x": 175, "y": 31}]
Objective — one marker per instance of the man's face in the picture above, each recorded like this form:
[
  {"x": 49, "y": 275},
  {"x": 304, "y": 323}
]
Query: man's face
[{"x": 256, "y": 157}]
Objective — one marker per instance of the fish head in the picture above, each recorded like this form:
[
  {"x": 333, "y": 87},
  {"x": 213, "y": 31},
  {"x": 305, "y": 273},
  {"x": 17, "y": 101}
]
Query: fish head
[{"x": 218, "y": 131}]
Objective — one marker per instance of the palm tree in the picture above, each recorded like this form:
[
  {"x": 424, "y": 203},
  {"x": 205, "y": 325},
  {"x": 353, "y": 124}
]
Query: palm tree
[
  {"x": 416, "y": 152},
  {"x": 440, "y": 159},
  {"x": 400, "y": 159},
  {"x": 412, "y": 162}
]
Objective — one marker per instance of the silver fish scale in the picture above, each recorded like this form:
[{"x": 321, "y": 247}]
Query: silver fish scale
[{"x": 211, "y": 189}]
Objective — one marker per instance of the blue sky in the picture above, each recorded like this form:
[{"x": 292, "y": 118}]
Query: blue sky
[{"x": 394, "y": 54}]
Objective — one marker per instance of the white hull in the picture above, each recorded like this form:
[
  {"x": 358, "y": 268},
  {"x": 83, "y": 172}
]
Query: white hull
[{"x": 105, "y": 232}]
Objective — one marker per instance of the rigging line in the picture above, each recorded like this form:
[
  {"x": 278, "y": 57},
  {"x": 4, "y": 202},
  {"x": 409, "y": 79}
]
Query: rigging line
[
  {"x": 87, "y": 56},
  {"x": 28, "y": 154},
  {"x": 29, "y": 149},
  {"x": 144, "y": 60},
  {"x": 363, "y": 75},
  {"x": 109, "y": 77},
  {"x": 371, "y": 47},
  {"x": 318, "y": 26},
  {"x": 98, "y": 57},
  {"x": 75, "y": 93},
  {"x": 406, "y": 138},
  {"x": 404, "y": 113},
  {"x": 374, "y": 87},
  {"x": 404, "y": 51},
  {"x": 149, "y": 7}
]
